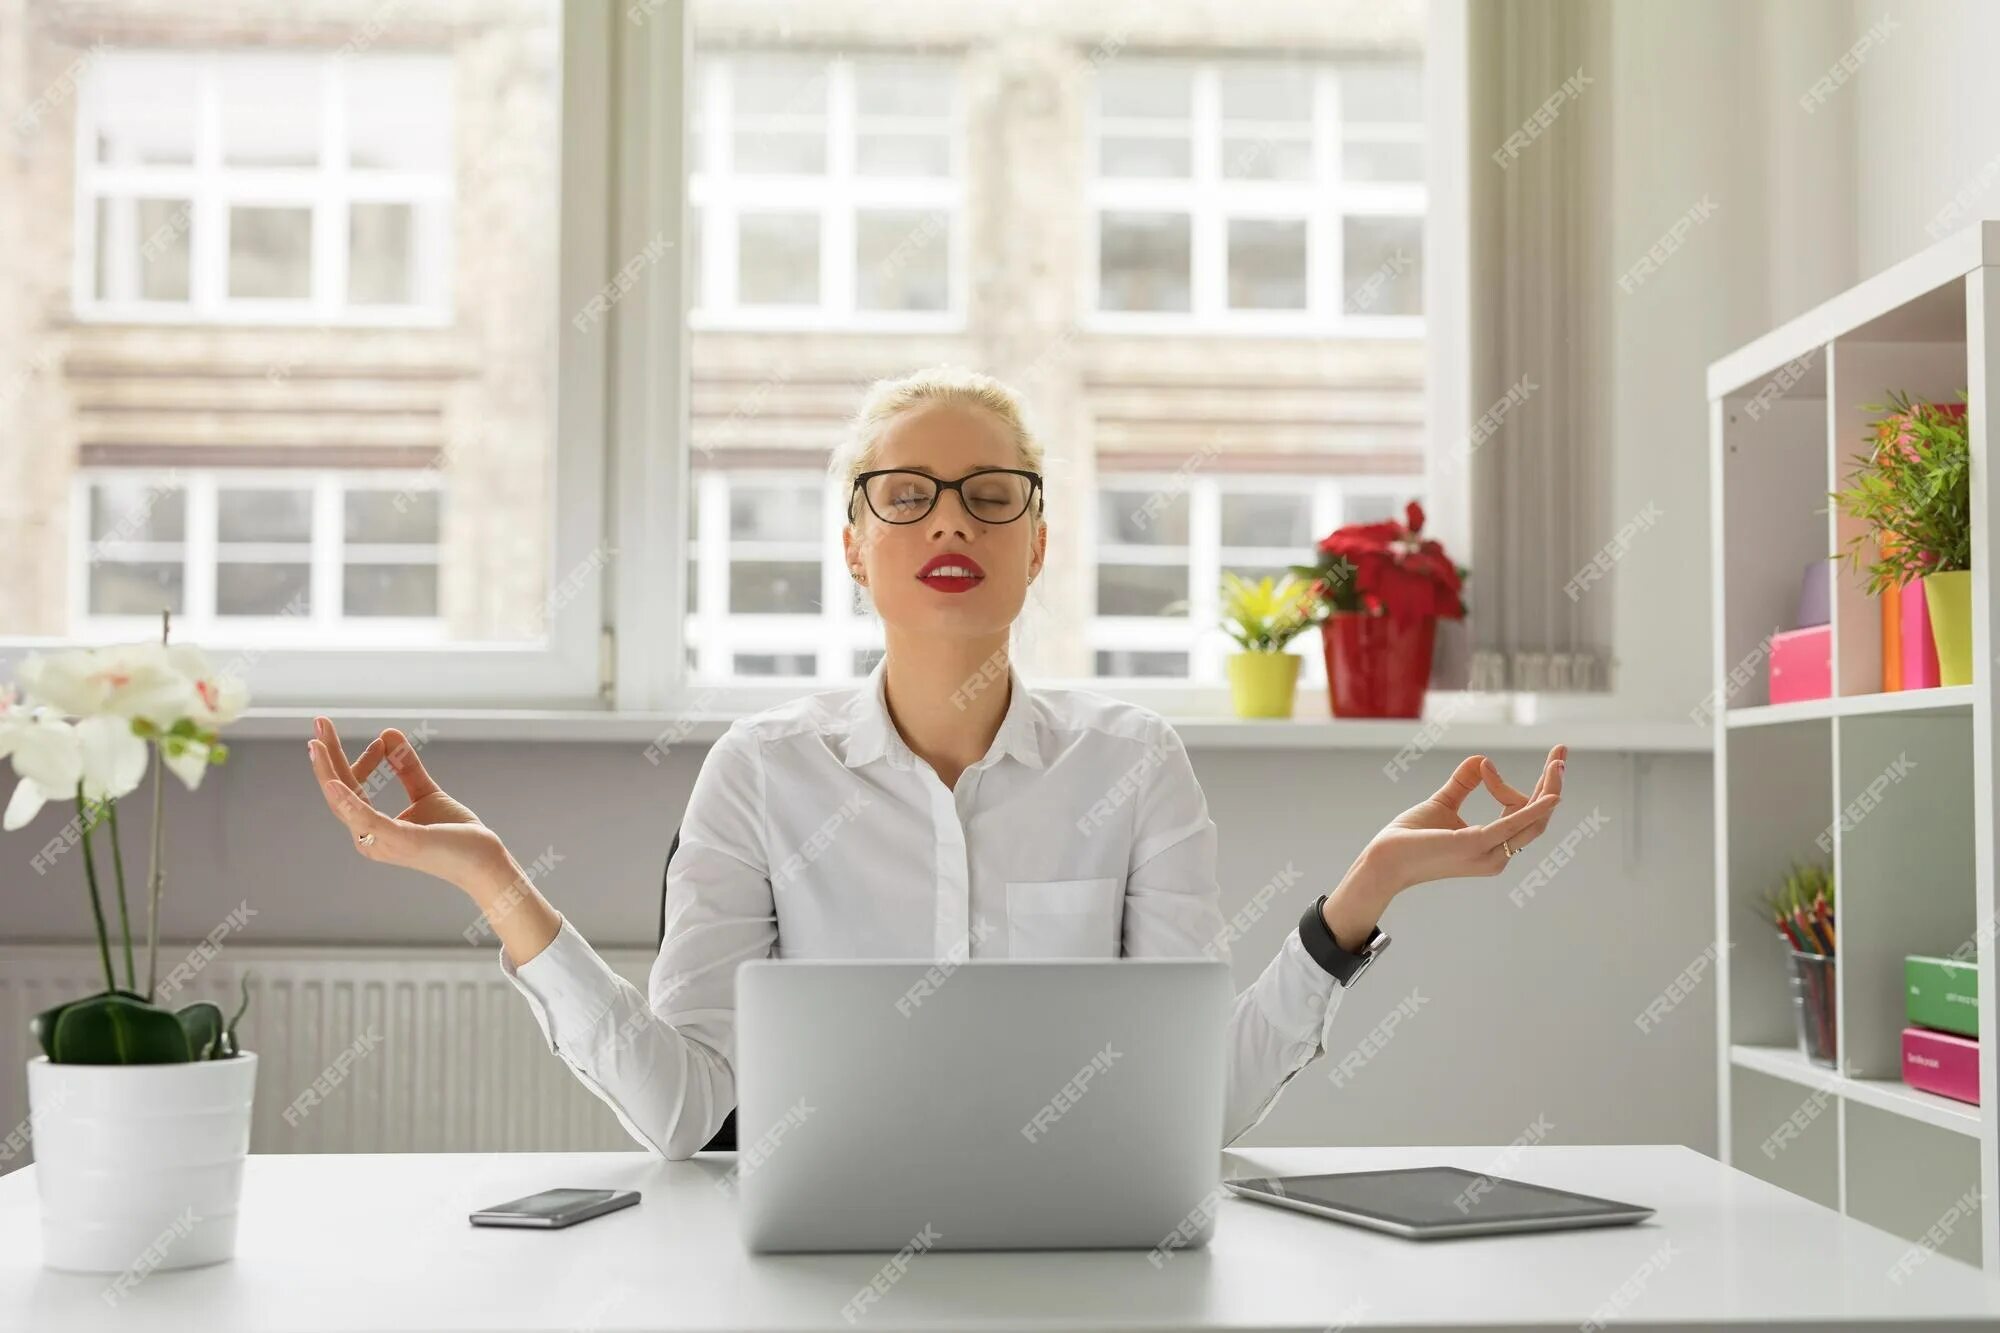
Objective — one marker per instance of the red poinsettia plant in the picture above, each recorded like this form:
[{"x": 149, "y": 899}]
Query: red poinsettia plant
[{"x": 1388, "y": 569}]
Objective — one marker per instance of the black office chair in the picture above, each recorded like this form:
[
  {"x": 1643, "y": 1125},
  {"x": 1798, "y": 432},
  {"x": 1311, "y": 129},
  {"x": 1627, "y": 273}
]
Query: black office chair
[{"x": 725, "y": 1136}]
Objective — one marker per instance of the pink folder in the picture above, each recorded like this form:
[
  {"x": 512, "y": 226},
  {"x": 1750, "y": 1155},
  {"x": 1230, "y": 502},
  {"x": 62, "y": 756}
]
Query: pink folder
[
  {"x": 1920, "y": 664},
  {"x": 1941, "y": 1062}
]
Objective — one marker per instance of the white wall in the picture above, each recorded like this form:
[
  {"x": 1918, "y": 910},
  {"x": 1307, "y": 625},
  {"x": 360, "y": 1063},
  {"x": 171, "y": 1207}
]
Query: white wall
[{"x": 1521, "y": 1011}]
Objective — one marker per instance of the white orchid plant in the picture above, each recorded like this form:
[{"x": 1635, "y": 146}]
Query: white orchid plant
[{"x": 81, "y": 725}]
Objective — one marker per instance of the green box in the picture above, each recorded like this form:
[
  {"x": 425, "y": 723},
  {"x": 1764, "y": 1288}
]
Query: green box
[{"x": 1942, "y": 993}]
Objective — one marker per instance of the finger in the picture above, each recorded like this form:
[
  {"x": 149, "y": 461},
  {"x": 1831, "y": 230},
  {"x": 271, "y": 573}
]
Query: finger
[
  {"x": 361, "y": 819},
  {"x": 365, "y": 762},
  {"x": 1464, "y": 780},
  {"x": 331, "y": 740},
  {"x": 403, "y": 759},
  {"x": 1502, "y": 790},
  {"x": 1552, "y": 771},
  {"x": 1511, "y": 828}
]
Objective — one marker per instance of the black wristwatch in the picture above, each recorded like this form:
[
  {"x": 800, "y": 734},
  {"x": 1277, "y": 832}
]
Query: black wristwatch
[{"x": 1319, "y": 942}]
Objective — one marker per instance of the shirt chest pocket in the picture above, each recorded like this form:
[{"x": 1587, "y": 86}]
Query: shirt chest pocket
[{"x": 1063, "y": 918}]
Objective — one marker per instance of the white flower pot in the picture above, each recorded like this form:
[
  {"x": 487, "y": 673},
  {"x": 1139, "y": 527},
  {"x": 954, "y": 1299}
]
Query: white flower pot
[{"x": 140, "y": 1166}]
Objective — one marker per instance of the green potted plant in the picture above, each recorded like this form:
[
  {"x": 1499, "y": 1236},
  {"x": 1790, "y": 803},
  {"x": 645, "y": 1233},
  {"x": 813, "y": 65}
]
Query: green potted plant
[
  {"x": 1263, "y": 617},
  {"x": 140, "y": 1113},
  {"x": 1912, "y": 486}
]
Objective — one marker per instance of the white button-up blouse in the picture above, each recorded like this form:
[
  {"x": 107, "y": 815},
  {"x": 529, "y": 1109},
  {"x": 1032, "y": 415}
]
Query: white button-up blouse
[{"x": 813, "y": 831}]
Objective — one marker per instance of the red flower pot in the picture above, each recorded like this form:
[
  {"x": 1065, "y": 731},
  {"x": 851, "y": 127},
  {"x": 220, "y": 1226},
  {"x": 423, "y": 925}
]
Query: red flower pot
[{"x": 1377, "y": 666}]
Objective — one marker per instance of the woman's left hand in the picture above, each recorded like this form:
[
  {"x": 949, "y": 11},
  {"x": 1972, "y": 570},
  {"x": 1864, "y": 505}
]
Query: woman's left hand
[{"x": 1432, "y": 840}]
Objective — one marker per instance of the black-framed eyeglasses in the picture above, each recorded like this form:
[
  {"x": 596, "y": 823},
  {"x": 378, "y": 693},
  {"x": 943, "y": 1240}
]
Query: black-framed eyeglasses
[{"x": 989, "y": 494}]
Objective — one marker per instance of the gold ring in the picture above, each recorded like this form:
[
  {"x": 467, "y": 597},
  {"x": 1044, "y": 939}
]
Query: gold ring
[
  {"x": 1503, "y": 846},
  {"x": 366, "y": 840}
]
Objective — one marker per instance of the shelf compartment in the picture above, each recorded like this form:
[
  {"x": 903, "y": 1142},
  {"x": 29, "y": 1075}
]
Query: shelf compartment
[
  {"x": 1779, "y": 798},
  {"x": 1892, "y": 1096},
  {"x": 1906, "y": 1177},
  {"x": 1784, "y": 1137}
]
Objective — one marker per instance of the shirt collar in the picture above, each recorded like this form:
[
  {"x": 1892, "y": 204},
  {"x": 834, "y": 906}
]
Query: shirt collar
[{"x": 871, "y": 735}]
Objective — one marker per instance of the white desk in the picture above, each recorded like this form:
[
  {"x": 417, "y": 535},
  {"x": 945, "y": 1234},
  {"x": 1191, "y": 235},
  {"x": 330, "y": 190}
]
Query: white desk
[{"x": 380, "y": 1244}]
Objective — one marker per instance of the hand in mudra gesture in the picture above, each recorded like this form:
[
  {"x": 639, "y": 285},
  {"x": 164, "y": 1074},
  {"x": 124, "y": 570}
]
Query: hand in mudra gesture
[
  {"x": 1432, "y": 840},
  {"x": 434, "y": 834}
]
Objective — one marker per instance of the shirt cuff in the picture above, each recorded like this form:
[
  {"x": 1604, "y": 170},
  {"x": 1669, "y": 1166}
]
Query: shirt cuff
[{"x": 566, "y": 984}]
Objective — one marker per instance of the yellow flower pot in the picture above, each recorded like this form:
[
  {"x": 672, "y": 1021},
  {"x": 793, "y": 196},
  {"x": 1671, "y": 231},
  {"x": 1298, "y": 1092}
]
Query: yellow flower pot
[
  {"x": 1949, "y": 597},
  {"x": 1263, "y": 684}
]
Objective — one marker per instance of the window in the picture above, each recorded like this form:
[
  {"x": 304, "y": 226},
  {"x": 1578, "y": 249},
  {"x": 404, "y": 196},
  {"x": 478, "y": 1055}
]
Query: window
[
  {"x": 769, "y": 592},
  {"x": 1260, "y": 196},
  {"x": 824, "y": 191},
  {"x": 1161, "y": 543},
  {"x": 265, "y": 186},
  {"x": 259, "y": 556}
]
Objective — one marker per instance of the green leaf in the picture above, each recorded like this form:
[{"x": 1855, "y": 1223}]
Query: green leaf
[
  {"x": 202, "y": 1022},
  {"x": 118, "y": 1029}
]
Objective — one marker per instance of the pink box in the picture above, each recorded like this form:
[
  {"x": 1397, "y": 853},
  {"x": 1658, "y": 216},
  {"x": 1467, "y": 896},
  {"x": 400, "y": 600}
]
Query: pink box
[
  {"x": 1802, "y": 664},
  {"x": 1941, "y": 1062},
  {"x": 1920, "y": 660}
]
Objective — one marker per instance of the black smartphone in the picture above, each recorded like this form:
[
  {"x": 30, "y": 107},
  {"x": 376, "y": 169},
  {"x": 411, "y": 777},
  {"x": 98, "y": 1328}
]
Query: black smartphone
[{"x": 555, "y": 1208}]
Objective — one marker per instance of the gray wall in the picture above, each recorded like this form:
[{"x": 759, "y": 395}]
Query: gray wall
[{"x": 1514, "y": 1013}]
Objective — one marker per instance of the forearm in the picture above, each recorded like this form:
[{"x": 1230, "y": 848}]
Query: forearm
[
  {"x": 1358, "y": 901},
  {"x": 523, "y": 919}
]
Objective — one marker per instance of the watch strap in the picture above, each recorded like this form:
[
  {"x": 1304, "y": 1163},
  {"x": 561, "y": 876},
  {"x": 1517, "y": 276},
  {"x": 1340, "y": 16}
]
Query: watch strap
[{"x": 1326, "y": 951}]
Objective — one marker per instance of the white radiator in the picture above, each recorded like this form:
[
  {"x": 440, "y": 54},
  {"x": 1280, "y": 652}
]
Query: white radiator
[{"x": 359, "y": 1049}]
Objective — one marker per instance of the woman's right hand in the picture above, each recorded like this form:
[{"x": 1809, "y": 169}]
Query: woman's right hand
[{"x": 436, "y": 834}]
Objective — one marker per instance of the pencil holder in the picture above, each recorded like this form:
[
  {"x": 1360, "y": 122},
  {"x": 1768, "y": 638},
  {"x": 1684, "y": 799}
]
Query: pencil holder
[{"x": 1812, "y": 1006}]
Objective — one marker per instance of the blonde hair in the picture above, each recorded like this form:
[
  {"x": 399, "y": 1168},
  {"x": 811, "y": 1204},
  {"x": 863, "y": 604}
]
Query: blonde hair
[{"x": 888, "y": 399}]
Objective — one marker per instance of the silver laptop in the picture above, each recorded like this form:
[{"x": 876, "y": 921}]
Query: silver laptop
[{"x": 991, "y": 1105}]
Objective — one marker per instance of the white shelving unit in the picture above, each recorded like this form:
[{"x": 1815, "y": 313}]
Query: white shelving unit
[{"x": 1914, "y": 861}]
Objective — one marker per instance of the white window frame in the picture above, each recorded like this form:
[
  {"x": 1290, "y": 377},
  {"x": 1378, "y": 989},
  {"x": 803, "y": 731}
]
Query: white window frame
[
  {"x": 721, "y": 197},
  {"x": 1212, "y": 201},
  {"x": 1208, "y": 647},
  {"x": 327, "y": 553},
  {"x": 212, "y": 187}
]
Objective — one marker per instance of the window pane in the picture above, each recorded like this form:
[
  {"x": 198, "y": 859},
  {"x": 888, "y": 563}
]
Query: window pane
[
  {"x": 777, "y": 259},
  {"x": 774, "y": 512},
  {"x": 1266, "y": 91},
  {"x": 377, "y": 517},
  {"x": 1127, "y": 662},
  {"x": 1267, "y": 264},
  {"x": 389, "y": 590},
  {"x": 142, "y": 249},
  {"x": 902, "y": 261},
  {"x": 124, "y": 509},
  {"x": 780, "y": 587},
  {"x": 1141, "y": 590},
  {"x": 330, "y": 156},
  {"x": 135, "y": 588},
  {"x": 1382, "y": 94},
  {"x": 398, "y": 113},
  {"x": 381, "y": 262},
  {"x": 780, "y": 115},
  {"x": 888, "y": 87},
  {"x": 1377, "y": 160},
  {"x": 262, "y": 589},
  {"x": 270, "y": 253},
  {"x": 1267, "y": 520},
  {"x": 270, "y": 111},
  {"x": 1144, "y": 261},
  {"x": 775, "y": 664},
  {"x": 1145, "y": 88},
  {"x": 1370, "y": 508},
  {"x": 144, "y": 108},
  {"x": 1168, "y": 156},
  {"x": 1383, "y": 259},
  {"x": 1143, "y": 517},
  {"x": 263, "y": 515},
  {"x": 1269, "y": 157},
  {"x": 880, "y": 154}
]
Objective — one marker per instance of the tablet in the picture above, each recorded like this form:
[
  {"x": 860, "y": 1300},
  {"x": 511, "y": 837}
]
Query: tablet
[{"x": 1423, "y": 1202}]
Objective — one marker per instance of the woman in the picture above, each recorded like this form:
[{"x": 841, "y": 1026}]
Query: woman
[{"x": 941, "y": 810}]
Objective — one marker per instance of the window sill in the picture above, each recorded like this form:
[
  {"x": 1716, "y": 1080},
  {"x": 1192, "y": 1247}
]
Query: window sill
[{"x": 664, "y": 730}]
